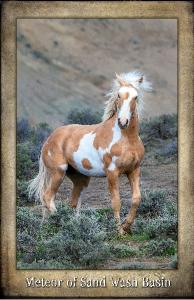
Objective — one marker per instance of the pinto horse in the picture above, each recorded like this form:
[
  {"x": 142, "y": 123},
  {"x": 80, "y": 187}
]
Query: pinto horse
[{"x": 110, "y": 148}]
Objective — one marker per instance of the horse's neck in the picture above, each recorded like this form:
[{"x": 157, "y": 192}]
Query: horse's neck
[{"x": 133, "y": 129}]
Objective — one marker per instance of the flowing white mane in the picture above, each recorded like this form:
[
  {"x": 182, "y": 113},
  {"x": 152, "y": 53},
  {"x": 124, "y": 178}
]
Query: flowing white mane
[{"x": 135, "y": 78}]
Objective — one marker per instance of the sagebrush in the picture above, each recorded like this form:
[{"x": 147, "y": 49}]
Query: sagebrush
[{"x": 90, "y": 239}]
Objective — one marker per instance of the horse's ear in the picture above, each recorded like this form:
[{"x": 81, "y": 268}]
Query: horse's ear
[
  {"x": 140, "y": 80},
  {"x": 120, "y": 80}
]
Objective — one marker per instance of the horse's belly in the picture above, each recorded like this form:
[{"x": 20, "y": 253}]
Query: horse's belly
[
  {"x": 95, "y": 172},
  {"x": 87, "y": 159}
]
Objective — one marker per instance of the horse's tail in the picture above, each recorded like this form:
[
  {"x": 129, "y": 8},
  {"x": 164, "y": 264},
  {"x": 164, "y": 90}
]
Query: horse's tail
[{"x": 37, "y": 185}]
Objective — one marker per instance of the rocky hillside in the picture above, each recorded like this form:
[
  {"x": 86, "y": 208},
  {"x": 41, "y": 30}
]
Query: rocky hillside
[{"x": 63, "y": 64}]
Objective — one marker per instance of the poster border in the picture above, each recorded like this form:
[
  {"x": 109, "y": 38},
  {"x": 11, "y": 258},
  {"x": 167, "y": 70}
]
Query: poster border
[{"x": 13, "y": 280}]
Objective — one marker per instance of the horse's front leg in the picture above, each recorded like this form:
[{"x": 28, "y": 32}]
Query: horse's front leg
[
  {"x": 113, "y": 184},
  {"x": 134, "y": 180}
]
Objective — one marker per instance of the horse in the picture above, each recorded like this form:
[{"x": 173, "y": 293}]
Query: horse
[{"x": 109, "y": 149}]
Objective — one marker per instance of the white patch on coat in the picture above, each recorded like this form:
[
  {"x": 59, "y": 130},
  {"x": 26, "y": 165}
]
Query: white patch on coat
[
  {"x": 87, "y": 150},
  {"x": 63, "y": 167},
  {"x": 112, "y": 165},
  {"x": 124, "y": 112},
  {"x": 116, "y": 137},
  {"x": 49, "y": 153}
]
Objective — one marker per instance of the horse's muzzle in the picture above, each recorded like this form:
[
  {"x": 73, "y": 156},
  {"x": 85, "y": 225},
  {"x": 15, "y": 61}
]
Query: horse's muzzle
[{"x": 121, "y": 125}]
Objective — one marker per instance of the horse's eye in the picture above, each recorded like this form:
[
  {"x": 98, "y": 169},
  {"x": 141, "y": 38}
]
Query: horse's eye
[
  {"x": 119, "y": 96},
  {"x": 136, "y": 98}
]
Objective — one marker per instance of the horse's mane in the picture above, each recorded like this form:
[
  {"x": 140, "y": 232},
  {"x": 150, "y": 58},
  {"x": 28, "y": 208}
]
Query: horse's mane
[{"x": 131, "y": 78}]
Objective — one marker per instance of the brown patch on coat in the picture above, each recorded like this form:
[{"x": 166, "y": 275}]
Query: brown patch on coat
[
  {"x": 133, "y": 105},
  {"x": 86, "y": 164},
  {"x": 116, "y": 149},
  {"x": 107, "y": 159},
  {"x": 104, "y": 134}
]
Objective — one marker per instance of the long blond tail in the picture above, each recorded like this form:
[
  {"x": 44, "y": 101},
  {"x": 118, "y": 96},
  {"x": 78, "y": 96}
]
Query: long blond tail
[{"x": 37, "y": 185}]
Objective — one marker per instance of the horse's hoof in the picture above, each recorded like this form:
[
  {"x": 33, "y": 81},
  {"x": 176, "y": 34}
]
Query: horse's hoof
[
  {"x": 73, "y": 206},
  {"x": 126, "y": 228},
  {"x": 121, "y": 231}
]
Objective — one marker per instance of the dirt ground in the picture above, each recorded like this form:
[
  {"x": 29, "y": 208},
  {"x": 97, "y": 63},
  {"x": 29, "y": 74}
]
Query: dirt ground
[{"x": 146, "y": 263}]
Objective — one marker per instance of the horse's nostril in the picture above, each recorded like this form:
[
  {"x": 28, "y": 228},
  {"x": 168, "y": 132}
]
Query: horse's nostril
[{"x": 121, "y": 123}]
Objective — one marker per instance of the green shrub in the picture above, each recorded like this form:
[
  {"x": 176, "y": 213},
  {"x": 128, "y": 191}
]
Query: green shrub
[
  {"x": 84, "y": 117},
  {"x": 28, "y": 226},
  {"x": 63, "y": 237},
  {"x": 44, "y": 264},
  {"x": 24, "y": 163},
  {"x": 157, "y": 216},
  {"x": 123, "y": 251},
  {"x": 156, "y": 227},
  {"x": 23, "y": 131},
  {"x": 28, "y": 221},
  {"x": 168, "y": 149},
  {"x": 79, "y": 239},
  {"x": 40, "y": 133},
  {"x": 133, "y": 237},
  {"x": 88, "y": 240},
  {"x": 29, "y": 146},
  {"x": 106, "y": 217},
  {"x": 160, "y": 247},
  {"x": 152, "y": 203},
  {"x": 169, "y": 208},
  {"x": 162, "y": 127},
  {"x": 22, "y": 193}
]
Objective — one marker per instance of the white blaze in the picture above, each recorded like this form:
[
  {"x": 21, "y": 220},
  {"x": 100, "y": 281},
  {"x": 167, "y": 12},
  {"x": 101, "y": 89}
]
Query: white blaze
[{"x": 124, "y": 112}]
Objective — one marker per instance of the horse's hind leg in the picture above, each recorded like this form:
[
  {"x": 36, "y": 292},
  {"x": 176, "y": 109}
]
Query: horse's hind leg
[
  {"x": 136, "y": 198},
  {"x": 55, "y": 179},
  {"x": 80, "y": 182}
]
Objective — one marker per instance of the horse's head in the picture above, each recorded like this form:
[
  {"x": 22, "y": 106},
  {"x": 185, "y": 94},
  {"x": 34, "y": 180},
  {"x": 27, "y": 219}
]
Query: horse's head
[
  {"x": 126, "y": 97},
  {"x": 126, "y": 102}
]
